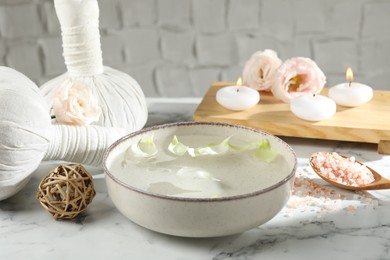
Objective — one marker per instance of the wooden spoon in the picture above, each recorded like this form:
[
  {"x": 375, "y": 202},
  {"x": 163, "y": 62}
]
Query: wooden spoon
[{"x": 379, "y": 183}]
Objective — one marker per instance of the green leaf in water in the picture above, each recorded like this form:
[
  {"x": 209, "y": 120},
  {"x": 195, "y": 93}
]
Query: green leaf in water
[{"x": 265, "y": 152}]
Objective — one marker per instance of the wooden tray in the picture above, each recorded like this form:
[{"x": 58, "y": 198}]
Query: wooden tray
[{"x": 369, "y": 123}]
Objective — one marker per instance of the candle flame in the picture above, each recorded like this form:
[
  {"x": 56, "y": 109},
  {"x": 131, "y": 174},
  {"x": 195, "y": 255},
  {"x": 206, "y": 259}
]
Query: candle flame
[
  {"x": 239, "y": 82},
  {"x": 349, "y": 74}
]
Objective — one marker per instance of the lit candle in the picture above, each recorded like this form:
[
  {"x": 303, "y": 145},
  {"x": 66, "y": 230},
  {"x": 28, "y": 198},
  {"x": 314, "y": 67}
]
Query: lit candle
[
  {"x": 350, "y": 94},
  {"x": 313, "y": 107},
  {"x": 237, "y": 97}
]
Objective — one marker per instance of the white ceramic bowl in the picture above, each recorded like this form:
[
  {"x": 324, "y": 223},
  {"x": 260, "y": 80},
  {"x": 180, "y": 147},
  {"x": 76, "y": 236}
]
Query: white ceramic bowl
[{"x": 204, "y": 216}]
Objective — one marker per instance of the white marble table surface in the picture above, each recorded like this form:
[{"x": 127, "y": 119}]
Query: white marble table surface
[{"x": 323, "y": 223}]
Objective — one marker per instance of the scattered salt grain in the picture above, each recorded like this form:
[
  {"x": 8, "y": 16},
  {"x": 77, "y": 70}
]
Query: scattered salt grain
[
  {"x": 309, "y": 195},
  {"x": 351, "y": 209}
]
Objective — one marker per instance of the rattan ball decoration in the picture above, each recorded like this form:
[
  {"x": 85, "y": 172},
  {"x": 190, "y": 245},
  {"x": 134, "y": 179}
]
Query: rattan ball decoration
[{"x": 66, "y": 191}]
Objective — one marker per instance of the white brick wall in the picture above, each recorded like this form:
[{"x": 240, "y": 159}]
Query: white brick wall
[
  {"x": 53, "y": 62},
  {"x": 178, "y": 47},
  {"x": 50, "y": 20},
  {"x": 277, "y": 19},
  {"x": 336, "y": 54},
  {"x": 209, "y": 16},
  {"x": 112, "y": 48},
  {"x": 338, "y": 25},
  {"x": 218, "y": 50},
  {"x": 109, "y": 15},
  {"x": 174, "y": 14},
  {"x": 2, "y": 52},
  {"x": 244, "y": 15},
  {"x": 141, "y": 45},
  {"x": 376, "y": 20},
  {"x": 17, "y": 21},
  {"x": 138, "y": 12},
  {"x": 173, "y": 81},
  {"x": 25, "y": 57}
]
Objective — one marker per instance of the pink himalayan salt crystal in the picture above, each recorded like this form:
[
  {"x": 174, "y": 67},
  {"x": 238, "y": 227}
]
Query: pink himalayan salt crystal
[
  {"x": 309, "y": 193},
  {"x": 351, "y": 209},
  {"x": 342, "y": 170},
  {"x": 310, "y": 196}
]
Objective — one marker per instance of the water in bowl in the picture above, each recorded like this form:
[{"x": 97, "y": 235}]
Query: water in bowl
[{"x": 211, "y": 176}]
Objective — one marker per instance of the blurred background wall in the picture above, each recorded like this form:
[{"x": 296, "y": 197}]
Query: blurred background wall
[{"x": 176, "y": 48}]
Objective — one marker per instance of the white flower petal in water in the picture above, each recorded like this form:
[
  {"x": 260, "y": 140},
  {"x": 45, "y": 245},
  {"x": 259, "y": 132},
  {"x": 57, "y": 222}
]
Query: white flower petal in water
[
  {"x": 144, "y": 148},
  {"x": 262, "y": 147},
  {"x": 176, "y": 147},
  {"x": 211, "y": 149}
]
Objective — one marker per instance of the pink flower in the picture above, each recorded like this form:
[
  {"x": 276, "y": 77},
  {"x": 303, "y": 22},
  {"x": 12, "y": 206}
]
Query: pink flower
[
  {"x": 259, "y": 70},
  {"x": 295, "y": 77},
  {"x": 75, "y": 104}
]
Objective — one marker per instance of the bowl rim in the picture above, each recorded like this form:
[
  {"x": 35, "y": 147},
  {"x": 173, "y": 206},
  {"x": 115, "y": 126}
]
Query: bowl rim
[{"x": 224, "y": 198}]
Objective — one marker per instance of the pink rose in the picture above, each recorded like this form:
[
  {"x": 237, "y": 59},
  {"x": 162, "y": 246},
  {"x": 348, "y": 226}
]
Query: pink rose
[
  {"x": 75, "y": 104},
  {"x": 295, "y": 77},
  {"x": 259, "y": 70}
]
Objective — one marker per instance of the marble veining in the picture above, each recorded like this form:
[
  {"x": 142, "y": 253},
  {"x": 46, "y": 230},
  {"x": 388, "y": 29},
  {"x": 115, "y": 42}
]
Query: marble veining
[{"x": 327, "y": 223}]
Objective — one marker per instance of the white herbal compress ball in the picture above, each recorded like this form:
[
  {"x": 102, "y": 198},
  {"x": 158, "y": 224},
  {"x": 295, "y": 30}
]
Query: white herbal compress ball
[
  {"x": 28, "y": 137},
  {"x": 24, "y": 128},
  {"x": 120, "y": 98}
]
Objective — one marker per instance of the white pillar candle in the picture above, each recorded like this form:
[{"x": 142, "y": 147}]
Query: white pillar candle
[
  {"x": 313, "y": 107},
  {"x": 237, "y": 97},
  {"x": 350, "y": 94}
]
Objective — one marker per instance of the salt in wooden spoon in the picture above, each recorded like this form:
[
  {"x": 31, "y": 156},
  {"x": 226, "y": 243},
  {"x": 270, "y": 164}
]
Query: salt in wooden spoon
[{"x": 379, "y": 183}]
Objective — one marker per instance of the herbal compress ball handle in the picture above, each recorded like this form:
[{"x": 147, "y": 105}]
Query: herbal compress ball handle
[
  {"x": 120, "y": 97},
  {"x": 28, "y": 136},
  {"x": 80, "y": 37}
]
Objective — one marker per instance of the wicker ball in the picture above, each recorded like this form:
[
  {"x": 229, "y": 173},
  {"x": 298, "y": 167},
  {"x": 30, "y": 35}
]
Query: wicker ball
[{"x": 66, "y": 191}]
